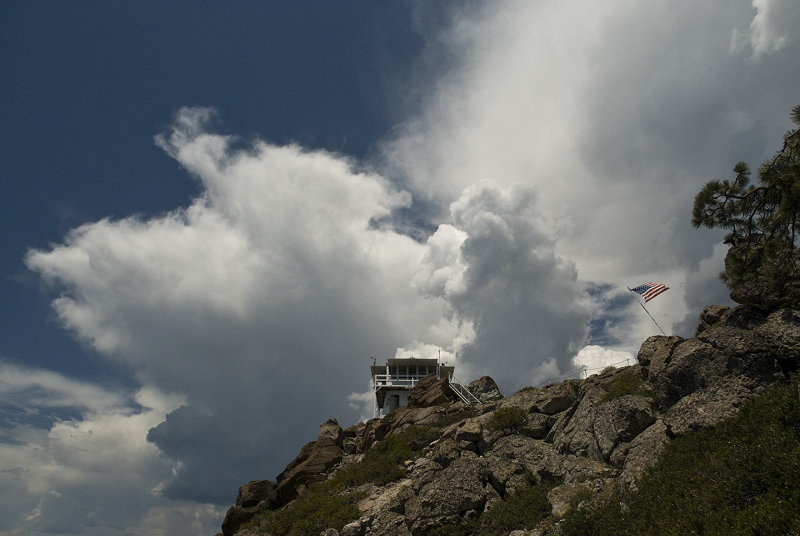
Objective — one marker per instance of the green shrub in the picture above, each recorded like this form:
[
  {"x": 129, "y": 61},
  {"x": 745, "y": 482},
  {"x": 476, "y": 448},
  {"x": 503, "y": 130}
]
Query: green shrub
[
  {"x": 457, "y": 416},
  {"x": 740, "y": 478},
  {"x": 626, "y": 384},
  {"x": 332, "y": 503},
  {"x": 523, "y": 510},
  {"x": 322, "y": 505},
  {"x": 526, "y": 389},
  {"x": 507, "y": 418},
  {"x": 465, "y": 529},
  {"x": 383, "y": 462}
]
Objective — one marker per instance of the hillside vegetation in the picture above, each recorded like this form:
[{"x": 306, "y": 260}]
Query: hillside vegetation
[{"x": 741, "y": 477}]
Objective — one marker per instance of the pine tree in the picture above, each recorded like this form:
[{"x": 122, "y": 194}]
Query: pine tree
[{"x": 762, "y": 219}]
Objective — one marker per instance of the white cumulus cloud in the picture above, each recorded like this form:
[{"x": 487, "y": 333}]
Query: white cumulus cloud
[
  {"x": 773, "y": 27},
  {"x": 92, "y": 471},
  {"x": 497, "y": 269},
  {"x": 260, "y": 302}
]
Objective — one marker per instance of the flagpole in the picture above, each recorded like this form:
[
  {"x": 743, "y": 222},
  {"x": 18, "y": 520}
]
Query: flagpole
[{"x": 648, "y": 312}]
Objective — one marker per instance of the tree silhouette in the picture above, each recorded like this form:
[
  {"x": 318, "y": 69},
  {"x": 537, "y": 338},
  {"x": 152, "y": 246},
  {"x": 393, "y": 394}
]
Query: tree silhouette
[{"x": 762, "y": 219}]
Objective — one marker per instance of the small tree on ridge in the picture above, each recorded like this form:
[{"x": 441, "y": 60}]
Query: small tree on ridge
[{"x": 763, "y": 219}]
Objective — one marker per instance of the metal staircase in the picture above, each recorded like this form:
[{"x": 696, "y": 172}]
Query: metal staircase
[{"x": 462, "y": 392}]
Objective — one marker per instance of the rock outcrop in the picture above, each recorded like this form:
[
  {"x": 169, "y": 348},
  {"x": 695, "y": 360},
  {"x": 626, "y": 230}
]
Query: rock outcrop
[
  {"x": 431, "y": 391},
  {"x": 735, "y": 354},
  {"x": 313, "y": 462},
  {"x": 585, "y": 435},
  {"x": 485, "y": 390},
  {"x": 599, "y": 429},
  {"x": 254, "y": 497}
]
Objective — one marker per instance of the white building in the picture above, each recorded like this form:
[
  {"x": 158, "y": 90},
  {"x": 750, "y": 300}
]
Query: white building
[{"x": 394, "y": 380}]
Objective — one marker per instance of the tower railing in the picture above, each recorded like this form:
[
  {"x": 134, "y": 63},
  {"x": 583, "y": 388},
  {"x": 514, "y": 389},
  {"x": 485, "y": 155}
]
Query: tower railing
[
  {"x": 462, "y": 392},
  {"x": 397, "y": 380}
]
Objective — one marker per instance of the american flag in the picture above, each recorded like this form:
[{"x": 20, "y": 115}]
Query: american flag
[{"x": 650, "y": 290}]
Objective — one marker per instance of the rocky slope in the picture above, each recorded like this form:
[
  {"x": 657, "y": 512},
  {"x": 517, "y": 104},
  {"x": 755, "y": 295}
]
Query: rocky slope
[{"x": 579, "y": 436}]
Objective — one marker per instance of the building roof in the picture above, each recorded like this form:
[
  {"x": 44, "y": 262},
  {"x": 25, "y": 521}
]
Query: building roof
[
  {"x": 441, "y": 368},
  {"x": 412, "y": 361}
]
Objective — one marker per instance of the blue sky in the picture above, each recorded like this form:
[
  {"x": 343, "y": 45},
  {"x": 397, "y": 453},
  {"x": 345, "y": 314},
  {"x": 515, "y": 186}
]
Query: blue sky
[
  {"x": 87, "y": 88},
  {"x": 213, "y": 217}
]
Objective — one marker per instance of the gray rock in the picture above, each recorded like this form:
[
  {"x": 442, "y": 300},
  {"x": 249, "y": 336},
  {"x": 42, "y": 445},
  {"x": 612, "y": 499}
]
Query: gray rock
[
  {"x": 515, "y": 458},
  {"x": 352, "y": 437},
  {"x": 753, "y": 341},
  {"x": 656, "y": 350},
  {"x": 310, "y": 466},
  {"x": 235, "y": 517},
  {"x": 550, "y": 400},
  {"x": 392, "y": 497},
  {"x": 469, "y": 430},
  {"x": 330, "y": 429},
  {"x": 350, "y": 445},
  {"x": 445, "y": 452},
  {"x": 643, "y": 452},
  {"x": 503, "y": 467},
  {"x": 580, "y": 469},
  {"x": 374, "y": 430},
  {"x": 707, "y": 407},
  {"x": 782, "y": 330},
  {"x": 692, "y": 365},
  {"x": 253, "y": 498},
  {"x": 560, "y": 497},
  {"x": 739, "y": 345},
  {"x": 355, "y": 528},
  {"x": 557, "y": 404},
  {"x": 255, "y": 492},
  {"x": 762, "y": 293},
  {"x": 710, "y": 317},
  {"x": 561, "y": 422},
  {"x": 423, "y": 472},
  {"x": 389, "y": 523},
  {"x": 537, "y": 425},
  {"x": 456, "y": 490},
  {"x": 485, "y": 390},
  {"x": 596, "y": 427},
  {"x": 431, "y": 391},
  {"x": 402, "y": 417}
]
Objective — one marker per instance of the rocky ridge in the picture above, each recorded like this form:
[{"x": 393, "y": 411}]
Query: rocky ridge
[{"x": 585, "y": 435}]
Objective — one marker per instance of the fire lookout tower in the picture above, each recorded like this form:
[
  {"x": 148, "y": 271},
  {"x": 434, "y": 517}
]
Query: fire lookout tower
[{"x": 394, "y": 380}]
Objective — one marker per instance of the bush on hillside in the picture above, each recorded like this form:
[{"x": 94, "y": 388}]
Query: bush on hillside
[
  {"x": 740, "y": 478},
  {"x": 507, "y": 418},
  {"x": 626, "y": 384},
  {"x": 321, "y": 506},
  {"x": 332, "y": 504},
  {"x": 384, "y": 461},
  {"x": 524, "y": 509}
]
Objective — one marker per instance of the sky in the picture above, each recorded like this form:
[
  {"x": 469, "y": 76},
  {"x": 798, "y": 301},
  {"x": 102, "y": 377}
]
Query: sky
[{"x": 214, "y": 217}]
